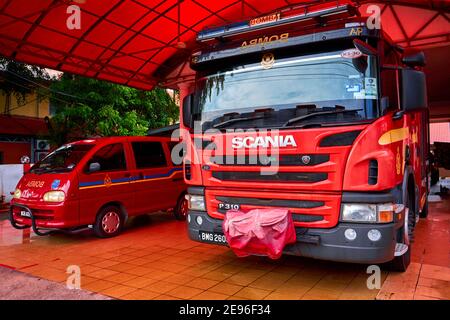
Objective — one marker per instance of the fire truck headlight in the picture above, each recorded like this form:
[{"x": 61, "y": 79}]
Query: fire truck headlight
[
  {"x": 359, "y": 213},
  {"x": 196, "y": 202},
  {"x": 17, "y": 194},
  {"x": 54, "y": 196},
  {"x": 374, "y": 235},
  {"x": 350, "y": 234}
]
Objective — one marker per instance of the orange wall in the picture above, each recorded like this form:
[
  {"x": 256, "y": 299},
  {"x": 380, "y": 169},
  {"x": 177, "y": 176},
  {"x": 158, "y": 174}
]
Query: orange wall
[{"x": 32, "y": 107}]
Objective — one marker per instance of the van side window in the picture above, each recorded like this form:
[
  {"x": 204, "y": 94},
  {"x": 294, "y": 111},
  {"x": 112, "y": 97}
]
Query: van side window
[
  {"x": 148, "y": 154},
  {"x": 110, "y": 158}
]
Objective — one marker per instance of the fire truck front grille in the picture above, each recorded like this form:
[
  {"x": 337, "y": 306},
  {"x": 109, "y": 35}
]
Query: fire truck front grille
[
  {"x": 303, "y": 204},
  {"x": 307, "y": 177},
  {"x": 280, "y": 160},
  {"x": 306, "y": 210},
  {"x": 279, "y": 203},
  {"x": 306, "y": 218}
]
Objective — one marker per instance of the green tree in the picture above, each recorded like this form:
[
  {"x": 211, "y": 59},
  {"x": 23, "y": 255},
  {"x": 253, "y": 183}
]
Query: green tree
[
  {"x": 19, "y": 79},
  {"x": 86, "y": 107}
]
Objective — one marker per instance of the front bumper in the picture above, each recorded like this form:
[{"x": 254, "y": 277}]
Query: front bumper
[
  {"x": 325, "y": 244},
  {"x": 40, "y": 223}
]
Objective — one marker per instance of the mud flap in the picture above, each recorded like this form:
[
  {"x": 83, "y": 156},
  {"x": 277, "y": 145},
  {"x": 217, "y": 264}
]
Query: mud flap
[{"x": 259, "y": 232}]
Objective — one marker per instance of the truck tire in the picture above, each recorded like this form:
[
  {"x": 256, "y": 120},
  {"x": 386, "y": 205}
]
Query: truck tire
[
  {"x": 424, "y": 212},
  {"x": 402, "y": 262},
  {"x": 109, "y": 222},
  {"x": 181, "y": 208}
]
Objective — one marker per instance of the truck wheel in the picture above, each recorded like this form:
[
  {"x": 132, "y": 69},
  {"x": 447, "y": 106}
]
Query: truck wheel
[
  {"x": 181, "y": 209},
  {"x": 109, "y": 222},
  {"x": 402, "y": 262},
  {"x": 424, "y": 212}
]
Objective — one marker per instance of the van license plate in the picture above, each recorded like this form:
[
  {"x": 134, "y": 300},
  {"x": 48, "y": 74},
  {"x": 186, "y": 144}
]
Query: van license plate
[
  {"x": 25, "y": 214},
  {"x": 212, "y": 237}
]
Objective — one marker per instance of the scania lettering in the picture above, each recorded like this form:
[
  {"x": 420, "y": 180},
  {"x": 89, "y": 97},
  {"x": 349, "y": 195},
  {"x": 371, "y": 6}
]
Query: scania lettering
[
  {"x": 264, "y": 142},
  {"x": 344, "y": 111}
]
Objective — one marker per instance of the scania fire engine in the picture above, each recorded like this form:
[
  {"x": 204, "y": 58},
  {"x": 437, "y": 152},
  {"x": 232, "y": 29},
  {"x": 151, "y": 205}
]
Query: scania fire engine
[{"x": 313, "y": 111}]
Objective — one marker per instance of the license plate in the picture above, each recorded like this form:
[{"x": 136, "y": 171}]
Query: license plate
[
  {"x": 24, "y": 213},
  {"x": 212, "y": 237}
]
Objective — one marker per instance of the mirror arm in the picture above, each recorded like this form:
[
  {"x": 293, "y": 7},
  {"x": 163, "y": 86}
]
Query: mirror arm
[{"x": 398, "y": 115}]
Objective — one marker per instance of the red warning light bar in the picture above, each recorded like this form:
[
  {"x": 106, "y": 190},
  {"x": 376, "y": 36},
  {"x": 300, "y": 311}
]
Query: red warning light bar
[{"x": 283, "y": 17}]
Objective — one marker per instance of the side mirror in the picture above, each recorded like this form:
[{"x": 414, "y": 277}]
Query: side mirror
[
  {"x": 188, "y": 103},
  {"x": 415, "y": 60},
  {"x": 94, "y": 167},
  {"x": 364, "y": 47},
  {"x": 413, "y": 90},
  {"x": 384, "y": 104}
]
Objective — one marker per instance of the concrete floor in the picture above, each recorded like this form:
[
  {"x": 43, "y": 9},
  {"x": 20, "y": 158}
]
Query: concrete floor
[
  {"x": 21, "y": 286},
  {"x": 154, "y": 259}
]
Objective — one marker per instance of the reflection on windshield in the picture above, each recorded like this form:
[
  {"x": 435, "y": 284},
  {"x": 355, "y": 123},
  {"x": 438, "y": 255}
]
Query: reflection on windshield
[
  {"x": 324, "y": 80},
  {"x": 63, "y": 159}
]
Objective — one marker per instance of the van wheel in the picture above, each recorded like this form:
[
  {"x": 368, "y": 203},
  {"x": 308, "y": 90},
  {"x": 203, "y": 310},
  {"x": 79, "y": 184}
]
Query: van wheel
[
  {"x": 109, "y": 222},
  {"x": 181, "y": 209}
]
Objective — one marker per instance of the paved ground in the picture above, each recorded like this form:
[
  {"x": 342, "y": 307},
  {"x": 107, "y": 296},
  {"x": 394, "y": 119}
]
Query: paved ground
[
  {"x": 154, "y": 259},
  {"x": 20, "y": 286}
]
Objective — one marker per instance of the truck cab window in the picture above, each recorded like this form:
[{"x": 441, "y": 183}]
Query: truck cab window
[
  {"x": 389, "y": 88},
  {"x": 110, "y": 158},
  {"x": 149, "y": 154}
]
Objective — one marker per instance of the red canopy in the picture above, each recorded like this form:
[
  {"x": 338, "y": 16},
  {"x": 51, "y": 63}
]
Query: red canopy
[{"x": 142, "y": 43}]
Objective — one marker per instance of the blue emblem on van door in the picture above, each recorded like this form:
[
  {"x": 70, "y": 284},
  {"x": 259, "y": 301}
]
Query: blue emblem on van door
[{"x": 55, "y": 184}]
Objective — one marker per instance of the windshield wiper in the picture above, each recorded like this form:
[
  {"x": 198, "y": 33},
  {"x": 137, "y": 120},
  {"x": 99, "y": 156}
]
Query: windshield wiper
[
  {"x": 234, "y": 120},
  {"x": 320, "y": 113}
]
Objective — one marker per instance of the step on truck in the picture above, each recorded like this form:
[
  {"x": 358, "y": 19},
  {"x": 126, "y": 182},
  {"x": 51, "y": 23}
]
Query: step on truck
[{"x": 312, "y": 111}]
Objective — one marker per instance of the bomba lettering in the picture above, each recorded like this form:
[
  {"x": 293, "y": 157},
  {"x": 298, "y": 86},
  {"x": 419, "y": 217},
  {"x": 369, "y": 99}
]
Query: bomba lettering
[{"x": 265, "y": 40}]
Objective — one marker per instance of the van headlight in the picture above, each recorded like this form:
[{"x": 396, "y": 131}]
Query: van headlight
[
  {"x": 17, "y": 194},
  {"x": 380, "y": 213},
  {"x": 196, "y": 202},
  {"x": 54, "y": 196}
]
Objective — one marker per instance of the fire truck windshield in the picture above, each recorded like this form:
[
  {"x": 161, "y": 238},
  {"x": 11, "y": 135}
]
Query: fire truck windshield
[{"x": 340, "y": 86}]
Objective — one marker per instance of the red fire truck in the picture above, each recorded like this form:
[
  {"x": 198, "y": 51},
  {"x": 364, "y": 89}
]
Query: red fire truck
[{"x": 340, "y": 110}]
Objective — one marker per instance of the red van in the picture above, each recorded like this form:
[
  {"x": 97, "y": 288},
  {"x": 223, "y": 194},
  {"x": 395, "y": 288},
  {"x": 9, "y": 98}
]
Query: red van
[{"x": 98, "y": 184}]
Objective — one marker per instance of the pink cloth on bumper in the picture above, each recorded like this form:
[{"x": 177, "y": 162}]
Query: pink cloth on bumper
[{"x": 259, "y": 231}]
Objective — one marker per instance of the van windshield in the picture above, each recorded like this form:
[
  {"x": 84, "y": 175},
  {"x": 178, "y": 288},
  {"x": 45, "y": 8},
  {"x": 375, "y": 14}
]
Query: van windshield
[{"x": 63, "y": 159}]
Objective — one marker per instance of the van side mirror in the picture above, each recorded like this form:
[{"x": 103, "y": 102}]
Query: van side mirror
[
  {"x": 94, "y": 167},
  {"x": 188, "y": 103},
  {"x": 413, "y": 90},
  {"x": 415, "y": 59}
]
